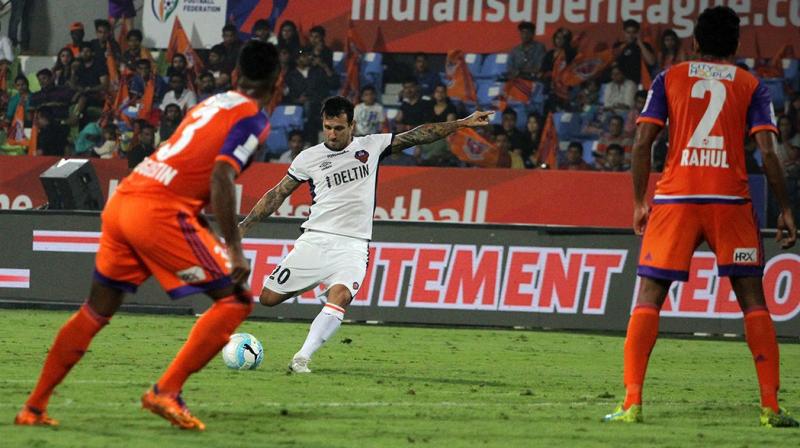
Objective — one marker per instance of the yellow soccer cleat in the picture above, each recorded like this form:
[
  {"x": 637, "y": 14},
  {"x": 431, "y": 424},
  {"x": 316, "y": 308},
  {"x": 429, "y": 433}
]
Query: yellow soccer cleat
[
  {"x": 780, "y": 419},
  {"x": 631, "y": 415},
  {"x": 172, "y": 409}
]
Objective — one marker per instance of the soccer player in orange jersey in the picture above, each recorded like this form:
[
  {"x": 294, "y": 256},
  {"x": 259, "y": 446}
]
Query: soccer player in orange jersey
[
  {"x": 703, "y": 195},
  {"x": 152, "y": 226}
]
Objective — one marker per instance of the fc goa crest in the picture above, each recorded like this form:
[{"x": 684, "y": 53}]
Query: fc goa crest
[{"x": 362, "y": 156}]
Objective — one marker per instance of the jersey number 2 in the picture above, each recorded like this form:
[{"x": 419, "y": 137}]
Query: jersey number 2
[{"x": 702, "y": 137}]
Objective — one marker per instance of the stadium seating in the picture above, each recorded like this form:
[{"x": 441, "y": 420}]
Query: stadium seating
[
  {"x": 338, "y": 62},
  {"x": 287, "y": 117},
  {"x": 776, "y": 90},
  {"x": 589, "y": 148},
  {"x": 494, "y": 66},
  {"x": 568, "y": 125},
  {"x": 791, "y": 72},
  {"x": 488, "y": 91},
  {"x": 372, "y": 70},
  {"x": 277, "y": 142},
  {"x": 474, "y": 63},
  {"x": 391, "y": 117}
]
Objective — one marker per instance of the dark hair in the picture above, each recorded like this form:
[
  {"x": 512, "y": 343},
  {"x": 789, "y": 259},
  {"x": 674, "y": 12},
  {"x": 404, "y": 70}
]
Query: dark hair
[
  {"x": 369, "y": 87},
  {"x": 135, "y": 33},
  {"x": 172, "y": 105},
  {"x": 336, "y": 105},
  {"x": 510, "y": 111},
  {"x": 576, "y": 144},
  {"x": 294, "y": 132},
  {"x": 294, "y": 42},
  {"x": 101, "y": 23},
  {"x": 670, "y": 33},
  {"x": 616, "y": 117},
  {"x": 176, "y": 75},
  {"x": 615, "y": 147},
  {"x": 630, "y": 23},
  {"x": 205, "y": 74},
  {"x": 85, "y": 45},
  {"x": 111, "y": 127},
  {"x": 422, "y": 55},
  {"x": 319, "y": 30},
  {"x": 143, "y": 61},
  {"x": 641, "y": 94},
  {"x": 179, "y": 55},
  {"x": 21, "y": 77},
  {"x": 258, "y": 62},
  {"x": 229, "y": 27},
  {"x": 527, "y": 26},
  {"x": 44, "y": 71},
  {"x": 717, "y": 32},
  {"x": 535, "y": 114},
  {"x": 261, "y": 24},
  {"x": 411, "y": 80},
  {"x": 146, "y": 125},
  {"x": 218, "y": 49}
]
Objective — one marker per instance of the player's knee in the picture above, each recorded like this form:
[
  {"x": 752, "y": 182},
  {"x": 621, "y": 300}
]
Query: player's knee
[
  {"x": 270, "y": 298},
  {"x": 340, "y": 295}
]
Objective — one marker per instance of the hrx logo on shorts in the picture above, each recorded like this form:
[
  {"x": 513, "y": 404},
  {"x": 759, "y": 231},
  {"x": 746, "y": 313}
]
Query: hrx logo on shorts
[{"x": 745, "y": 255}]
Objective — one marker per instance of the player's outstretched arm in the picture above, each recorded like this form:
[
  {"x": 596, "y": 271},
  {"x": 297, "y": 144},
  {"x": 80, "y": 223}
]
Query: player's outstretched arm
[
  {"x": 223, "y": 199},
  {"x": 268, "y": 203},
  {"x": 431, "y": 132},
  {"x": 787, "y": 230},
  {"x": 640, "y": 168}
]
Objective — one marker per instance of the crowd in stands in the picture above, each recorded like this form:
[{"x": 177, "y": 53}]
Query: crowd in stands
[{"x": 111, "y": 97}]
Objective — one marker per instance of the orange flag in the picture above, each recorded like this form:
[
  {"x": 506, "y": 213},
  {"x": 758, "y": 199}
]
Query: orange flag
[
  {"x": 3, "y": 77},
  {"x": 113, "y": 69},
  {"x": 33, "y": 142},
  {"x": 586, "y": 65},
  {"x": 548, "y": 145},
  {"x": 122, "y": 39},
  {"x": 458, "y": 78},
  {"x": 355, "y": 48},
  {"x": 180, "y": 43},
  {"x": 471, "y": 147},
  {"x": 148, "y": 98},
  {"x": 16, "y": 130}
]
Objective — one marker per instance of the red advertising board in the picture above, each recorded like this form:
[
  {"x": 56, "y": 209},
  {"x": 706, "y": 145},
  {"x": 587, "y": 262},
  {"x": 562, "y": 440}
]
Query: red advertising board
[
  {"x": 436, "y": 26},
  {"x": 462, "y": 195}
]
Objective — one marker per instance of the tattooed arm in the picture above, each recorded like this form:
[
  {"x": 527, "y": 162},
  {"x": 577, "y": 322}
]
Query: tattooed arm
[
  {"x": 268, "y": 203},
  {"x": 431, "y": 132}
]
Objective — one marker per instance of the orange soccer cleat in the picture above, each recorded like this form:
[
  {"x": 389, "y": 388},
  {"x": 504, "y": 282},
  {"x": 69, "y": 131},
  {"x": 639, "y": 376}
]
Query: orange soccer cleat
[
  {"x": 171, "y": 408},
  {"x": 29, "y": 416}
]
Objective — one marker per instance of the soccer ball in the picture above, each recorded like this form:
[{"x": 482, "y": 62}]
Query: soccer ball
[{"x": 243, "y": 352}]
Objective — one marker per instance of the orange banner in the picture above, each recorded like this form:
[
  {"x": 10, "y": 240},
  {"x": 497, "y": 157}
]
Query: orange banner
[
  {"x": 460, "y": 85},
  {"x": 180, "y": 43},
  {"x": 472, "y": 148}
]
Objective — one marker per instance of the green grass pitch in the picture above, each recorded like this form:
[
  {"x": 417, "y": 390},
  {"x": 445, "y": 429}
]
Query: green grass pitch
[{"x": 386, "y": 386}]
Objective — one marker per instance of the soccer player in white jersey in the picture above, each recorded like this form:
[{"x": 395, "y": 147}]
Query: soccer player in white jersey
[{"x": 333, "y": 249}]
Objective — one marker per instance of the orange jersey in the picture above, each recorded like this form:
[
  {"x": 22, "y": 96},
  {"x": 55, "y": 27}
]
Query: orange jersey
[
  {"x": 226, "y": 127},
  {"x": 711, "y": 107}
]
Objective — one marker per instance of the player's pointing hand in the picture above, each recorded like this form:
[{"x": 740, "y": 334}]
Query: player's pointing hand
[{"x": 477, "y": 119}]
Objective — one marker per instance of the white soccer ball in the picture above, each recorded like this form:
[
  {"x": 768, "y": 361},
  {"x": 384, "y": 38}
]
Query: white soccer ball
[{"x": 243, "y": 352}]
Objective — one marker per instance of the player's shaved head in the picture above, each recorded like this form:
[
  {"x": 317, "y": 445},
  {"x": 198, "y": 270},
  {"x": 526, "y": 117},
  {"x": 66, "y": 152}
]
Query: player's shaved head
[
  {"x": 717, "y": 32},
  {"x": 258, "y": 67}
]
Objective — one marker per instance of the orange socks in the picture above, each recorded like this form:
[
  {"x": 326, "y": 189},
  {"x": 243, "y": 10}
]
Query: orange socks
[
  {"x": 71, "y": 343},
  {"x": 639, "y": 342},
  {"x": 760, "y": 335},
  {"x": 210, "y": 333}
]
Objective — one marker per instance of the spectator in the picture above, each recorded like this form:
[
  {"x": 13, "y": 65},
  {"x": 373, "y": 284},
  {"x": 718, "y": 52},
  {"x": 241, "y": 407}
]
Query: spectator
[
  {"x": 22, "y": 96},
  {"x": 614, "y": 160},
  {"x": 178, "y": 94},
  {"x": 89, "y": 138},
  {"x": 400, "y": 158},
  {"x": 574, "y": 159},
  {"x": 170, "y": 121},
  {"x": 6, "y": 50},
  {"x": 76, "y": 35},
  {"x": 561, "y": 55},
  {"x": 144, "y": 147},
  {"x": 368, "y": 114},
  {"x": 631, "y": 51},
  {"x": 56, "y": 98},
  {"x": 531, "y": 139},
  {"x": 427, "y": 79},
  {"x": 414, "y": 110},
  {"x": 508, "y": 157},
  {"x": 18, "y": 24},
  {"x": 296, "y": 144},
  {"x": 633, "y": 114},
  {"x": 178, "y": 66},
  {"x": 286, "y": 59},
  {"x": 791, "y": 169},
  {"x": 144, "y": 75},
  {"x": 619, "y": 93},
  {"x": 89, "y": 79},
  {"x": 62, "y": 70},
  {"x": 135, "y": 51},
  {"x": 48, "y": 143},
  {"x": 308, "y": 85},
  {"x": 317, "y": 46},
  {"x": 508, "y": 124},
  {"x": 670, "y": 51},
  {"x": 121, "y": 11},
  {"x": 216, "y": 61},
  {"x": 263, "y": 32},
  {"x": 525, "y": 60},
  {"x": 206, "y": 86},
  {"x": 104, "y": 41},
  {"x": 231, "y": 46},
  {"x": 787, "y": 137},
  {"x": 289, "y": 39},
  {"x": 109, "y": 146},
  {"x": 793, "y": 111},
  {"x": 614, "y": 136},
  {"x": 443, "y": 108}
]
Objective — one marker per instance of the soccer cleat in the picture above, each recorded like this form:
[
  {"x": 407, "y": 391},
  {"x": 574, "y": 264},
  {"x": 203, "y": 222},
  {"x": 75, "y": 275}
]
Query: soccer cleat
[
  {"x": 299, "y": 364},
  {"x": 29, "y": 416},
  {"x": 171, "y": 408},
  {"x": 780, "y": 419},
  {"x": 631, "y": 415}
]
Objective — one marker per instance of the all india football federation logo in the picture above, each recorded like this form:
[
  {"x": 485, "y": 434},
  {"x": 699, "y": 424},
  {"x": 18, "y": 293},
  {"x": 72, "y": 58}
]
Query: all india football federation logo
[
  {"x": 162, "y": 9},
  {"x": 362, "y": 156}
]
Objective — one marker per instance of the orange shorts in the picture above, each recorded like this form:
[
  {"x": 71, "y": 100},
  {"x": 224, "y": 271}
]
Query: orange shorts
[
  {"x": 153, "y": 235},
  {"x": 674, "y": 231}
]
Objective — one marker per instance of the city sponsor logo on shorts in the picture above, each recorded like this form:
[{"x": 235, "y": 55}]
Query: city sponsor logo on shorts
[
  {"x": 194, "y": 274},
  {"x": 714, "y": 158},
  {"x": 705, "y": 70},
  {"x": 325, "y": 165},
  {"x": 338, "y": 153},
  {"x": 347, "y": 176},
  {"x": 745, "y": 255},
  {"x": 362, "y": 156}
]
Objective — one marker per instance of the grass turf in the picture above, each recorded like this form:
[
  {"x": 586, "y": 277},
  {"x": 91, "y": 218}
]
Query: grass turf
[{"x": 392, "y": 386}]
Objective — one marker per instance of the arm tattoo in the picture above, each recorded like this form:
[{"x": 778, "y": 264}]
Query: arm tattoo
[
  {"x": 270, "y": 202},
  {"x": 422, "y": 134}
]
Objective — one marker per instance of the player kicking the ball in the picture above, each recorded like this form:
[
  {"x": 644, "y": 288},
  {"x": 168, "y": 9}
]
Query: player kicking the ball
[
  {"x": 151, "y": 226},
  {"x": 333, "y": 249},
  {"x": 704, "y": 196}
]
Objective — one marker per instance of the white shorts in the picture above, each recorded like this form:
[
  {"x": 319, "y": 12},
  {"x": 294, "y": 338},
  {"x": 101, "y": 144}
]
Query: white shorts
[{"x": 320, "y": 257}]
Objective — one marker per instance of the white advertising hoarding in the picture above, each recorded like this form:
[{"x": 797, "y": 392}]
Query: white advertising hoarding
[{"x": 202, "y": 19}]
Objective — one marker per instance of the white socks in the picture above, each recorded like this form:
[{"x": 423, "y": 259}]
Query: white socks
[{"x": 322, "y": 328}]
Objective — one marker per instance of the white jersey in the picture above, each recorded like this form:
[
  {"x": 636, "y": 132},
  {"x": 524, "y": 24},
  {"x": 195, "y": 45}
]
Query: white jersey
[{"x": 343, "y": 184}]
